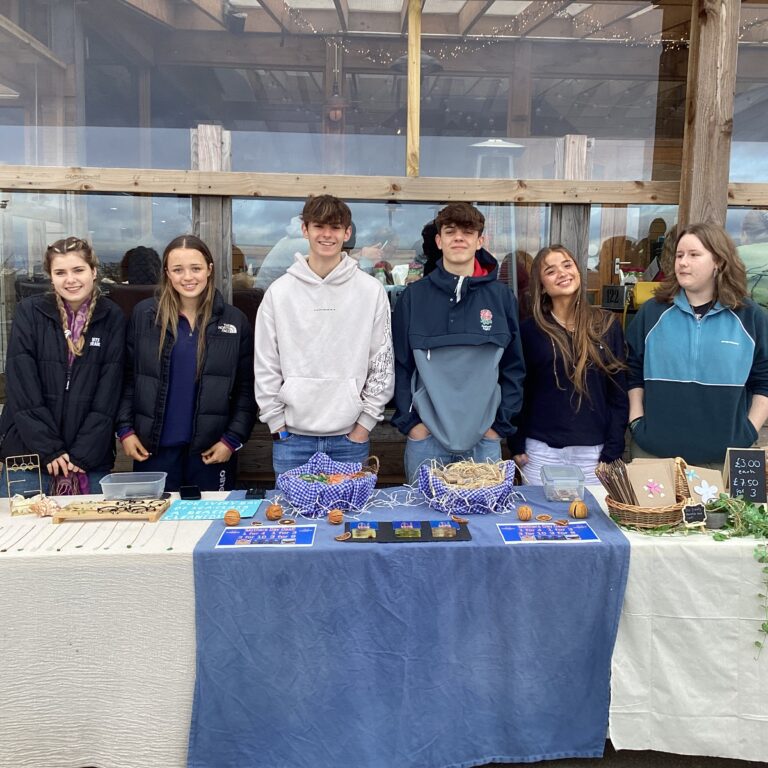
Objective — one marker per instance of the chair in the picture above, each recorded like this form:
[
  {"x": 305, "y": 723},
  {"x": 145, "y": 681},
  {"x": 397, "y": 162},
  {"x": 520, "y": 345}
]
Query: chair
[
  {"x": 248, "y": 301},
  {"x": 128, "y": 296}
]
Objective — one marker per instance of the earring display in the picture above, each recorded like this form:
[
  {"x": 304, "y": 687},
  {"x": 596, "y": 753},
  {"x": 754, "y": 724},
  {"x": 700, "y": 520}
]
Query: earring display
[{"x": 121, "y": 509}]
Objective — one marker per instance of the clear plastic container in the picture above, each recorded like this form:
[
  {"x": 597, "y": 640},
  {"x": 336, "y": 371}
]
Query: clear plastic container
[
  {"x": 562, "y": 482},
  {"x": 133, "y": 485}
]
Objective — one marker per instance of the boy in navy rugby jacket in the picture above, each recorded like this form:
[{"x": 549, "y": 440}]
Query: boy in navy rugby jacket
[{"x": 459, "y": 366}]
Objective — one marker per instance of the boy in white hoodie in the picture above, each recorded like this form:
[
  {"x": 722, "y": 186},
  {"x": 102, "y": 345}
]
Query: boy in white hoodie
[{"x": 323, "y": 347}]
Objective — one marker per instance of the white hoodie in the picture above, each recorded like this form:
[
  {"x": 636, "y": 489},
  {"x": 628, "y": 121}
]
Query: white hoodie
[{"x": 323, "y": 351}]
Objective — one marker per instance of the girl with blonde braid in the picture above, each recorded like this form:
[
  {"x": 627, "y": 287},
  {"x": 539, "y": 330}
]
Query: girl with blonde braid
[{"x": 64, "y": 367}]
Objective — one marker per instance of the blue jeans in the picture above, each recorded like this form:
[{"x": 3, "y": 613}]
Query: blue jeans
[
  {"x": 296, "y": 450},
  {"x": 418, "y": 452},
  {"x": 26, "y": 480}
]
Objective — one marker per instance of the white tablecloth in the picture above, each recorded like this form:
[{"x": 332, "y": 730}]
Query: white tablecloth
[
  {"x": 97, "y": 646},
  {"x": 97, "y": 643},
  {"x": 685, "y": 678}
]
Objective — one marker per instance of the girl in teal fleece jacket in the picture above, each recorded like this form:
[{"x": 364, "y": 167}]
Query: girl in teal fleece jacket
[{"x": 698, "y": 356}]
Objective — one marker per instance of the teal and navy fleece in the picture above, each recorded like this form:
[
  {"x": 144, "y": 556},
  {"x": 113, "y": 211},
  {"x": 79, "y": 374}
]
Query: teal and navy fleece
[{"x": 699, "y": 377}]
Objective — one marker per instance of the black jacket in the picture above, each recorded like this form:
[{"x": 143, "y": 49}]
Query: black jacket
[
  {"x": 225, "y": 400},
  {"x": 48, "y": 412}
]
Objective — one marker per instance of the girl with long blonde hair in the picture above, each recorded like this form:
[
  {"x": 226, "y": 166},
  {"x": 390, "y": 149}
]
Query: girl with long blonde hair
[
  {"x": 575, "y": 403},
  {"x": 188, "y": 403}
]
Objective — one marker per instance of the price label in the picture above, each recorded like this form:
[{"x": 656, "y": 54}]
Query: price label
[
  {"x": 614, "y": 296},
  {"x": 746, "y": 473}
]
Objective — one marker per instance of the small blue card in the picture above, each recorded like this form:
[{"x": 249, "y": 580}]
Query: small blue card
[
  {"x": 364, "y": 529},
  {"x": 268, "y": 536},
  {"x": 444, "y": 529},
  {"x": 406, "y": 529},
  {"x": 535, "y": 533}
]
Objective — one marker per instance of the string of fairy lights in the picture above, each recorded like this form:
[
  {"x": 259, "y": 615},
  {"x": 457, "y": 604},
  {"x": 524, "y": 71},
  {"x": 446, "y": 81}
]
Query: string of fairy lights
[{"x": 584, "y": 23}]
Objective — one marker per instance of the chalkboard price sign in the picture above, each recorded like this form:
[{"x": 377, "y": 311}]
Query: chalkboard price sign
[
  {"x": 746, "y": 473},
  {"x": 694, "y": 515}
]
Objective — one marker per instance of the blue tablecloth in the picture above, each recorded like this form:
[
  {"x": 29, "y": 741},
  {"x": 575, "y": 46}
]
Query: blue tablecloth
[{"x": 413, "y": 655}]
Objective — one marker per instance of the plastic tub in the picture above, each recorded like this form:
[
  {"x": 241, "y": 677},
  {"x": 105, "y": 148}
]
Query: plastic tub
[
  {"x": 133, "y": 485},
  {"x": 562, "y": 482}
]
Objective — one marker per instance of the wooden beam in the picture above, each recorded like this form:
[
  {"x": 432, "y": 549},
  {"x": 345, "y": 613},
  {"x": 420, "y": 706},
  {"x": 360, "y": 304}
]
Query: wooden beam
[
  {"x": 404, "y": 15},
  {"x": 221, "y": 49},
  {"x": 342, "y": 10},
  {"x": 520, "y": 91},
  {"x": 471, "y": 12},
  {"x": 275, "y": 9},
  {"x": 162, "y": 11},
  {"x": 22, "y": 40},
  {"x": 414, "y": 89},
  {"x": 709, "y": 111},
  {"x": 214, "y": 9},
  {"x": 123, "y": 30},
  {"x": 537, "y": 14},
  {"x": 748, "y": 194},
  {"x": 401, "y": 188}
]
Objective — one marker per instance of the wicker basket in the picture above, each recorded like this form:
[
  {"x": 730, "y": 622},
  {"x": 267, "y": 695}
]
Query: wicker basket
[{"x": 653, "y": 517}]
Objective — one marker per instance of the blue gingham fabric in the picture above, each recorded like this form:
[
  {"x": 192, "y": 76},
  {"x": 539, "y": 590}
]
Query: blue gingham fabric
[
  {"x": 316, "y": 499},
  {"x": 477, "y": 501}
]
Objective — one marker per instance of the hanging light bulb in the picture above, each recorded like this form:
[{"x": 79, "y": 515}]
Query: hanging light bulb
[{"x": 336, "y": 104}]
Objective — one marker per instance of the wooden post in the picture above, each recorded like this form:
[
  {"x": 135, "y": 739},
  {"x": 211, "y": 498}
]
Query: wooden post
[
  {"x": 569, "y": 224},
  {"x": 414, "y": 88},
  {"x": 520, "y": 91},
  {"x": 709, "y": 111},
  {"x": 212, "y": 215},
  {"x": 143, "y": 203}
]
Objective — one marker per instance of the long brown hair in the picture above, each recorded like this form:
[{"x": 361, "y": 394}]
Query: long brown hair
[
  {"x": 81, "y": 248},
  {"x": 584, "y": 347},
  {"x": 169, "y": 304},
  {"x": 731, "y": 277}
]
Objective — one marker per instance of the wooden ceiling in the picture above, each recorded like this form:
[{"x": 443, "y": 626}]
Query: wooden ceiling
[{"x": 634, "y": 20}]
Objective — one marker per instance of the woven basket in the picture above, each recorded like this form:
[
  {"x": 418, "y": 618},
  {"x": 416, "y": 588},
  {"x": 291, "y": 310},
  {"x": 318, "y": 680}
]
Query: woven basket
[{"x": 653, "y": 517}]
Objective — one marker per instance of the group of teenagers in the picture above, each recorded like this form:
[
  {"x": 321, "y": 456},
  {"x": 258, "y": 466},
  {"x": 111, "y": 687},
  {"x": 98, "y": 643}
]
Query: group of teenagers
[{"x": 182, "y": 382}]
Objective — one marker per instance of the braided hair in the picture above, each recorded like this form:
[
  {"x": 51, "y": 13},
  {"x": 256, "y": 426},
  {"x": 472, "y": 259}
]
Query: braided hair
[{"x": 81, "y": 248}]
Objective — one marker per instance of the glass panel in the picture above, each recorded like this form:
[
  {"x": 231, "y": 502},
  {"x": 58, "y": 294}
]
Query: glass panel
[
  {"x": 113, "y": 224},
  {"x": 387, "y": 238},
  {"x": 749, "y": 148},
  {"x": 749, "y": 229},
  {"x": 304, "y": 87},
  {"x": 500, "y": 102},
  {"x": 627, "y": 244}
]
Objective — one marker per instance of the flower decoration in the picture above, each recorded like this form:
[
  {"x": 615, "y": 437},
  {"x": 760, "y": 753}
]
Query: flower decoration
[
  {"x": 652, "y": 488},
  {"x": 706, "y": 491}
]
